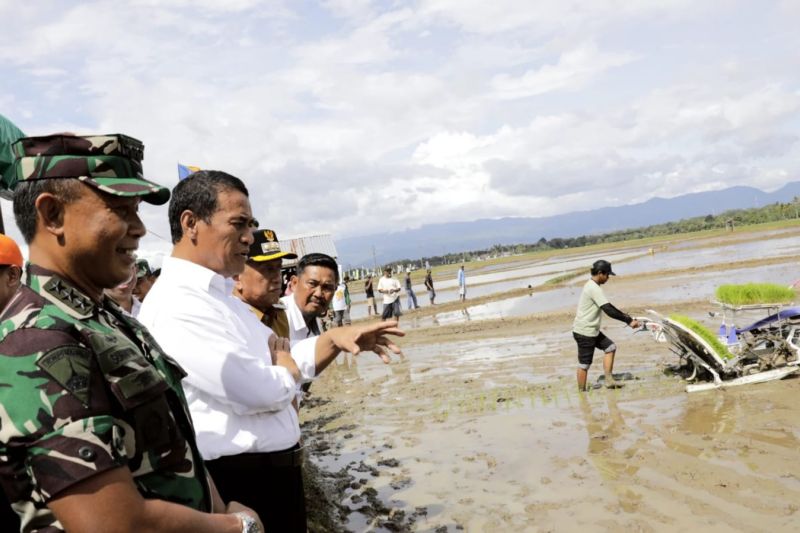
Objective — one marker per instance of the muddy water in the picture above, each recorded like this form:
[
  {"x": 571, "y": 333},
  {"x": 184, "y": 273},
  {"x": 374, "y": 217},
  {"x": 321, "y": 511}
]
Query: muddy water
[{"x": 490, "y": 435}]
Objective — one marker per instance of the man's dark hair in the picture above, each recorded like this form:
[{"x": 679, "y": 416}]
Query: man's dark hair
[
  {"x": 320, "y": 260},
  {"x": 26, "y": 192},
  {"x": 198, "y": 193}
]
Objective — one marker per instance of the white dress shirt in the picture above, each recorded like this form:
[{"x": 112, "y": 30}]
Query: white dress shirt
[
  {"x": 240, "y": 402},
  {"x": 298, "y": 329}
]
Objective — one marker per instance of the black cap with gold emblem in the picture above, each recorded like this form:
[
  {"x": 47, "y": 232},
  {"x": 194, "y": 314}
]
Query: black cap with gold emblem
[{"x": 266, "y": 247}]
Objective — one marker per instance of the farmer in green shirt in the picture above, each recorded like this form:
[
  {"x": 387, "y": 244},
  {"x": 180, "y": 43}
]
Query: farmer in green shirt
[{"x": 586, "y": 328}]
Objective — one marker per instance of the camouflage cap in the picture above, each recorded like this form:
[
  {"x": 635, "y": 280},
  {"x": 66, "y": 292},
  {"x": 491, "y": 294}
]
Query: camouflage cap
[
  {"x": 110, "y": 163},
  {"x": 142, "y": 268}
]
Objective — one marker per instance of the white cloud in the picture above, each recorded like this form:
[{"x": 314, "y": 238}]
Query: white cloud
[
  {"x": 359, "y": 117},
  {"x": 230, "y": 6},
  {"x": 574, "y": 69},
  {"x": 546, "y": 17}
]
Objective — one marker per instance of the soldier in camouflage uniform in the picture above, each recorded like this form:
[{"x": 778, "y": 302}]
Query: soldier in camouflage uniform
[
  {"x": 95, "y": 434},
  {"x": 145, "y": 278}
]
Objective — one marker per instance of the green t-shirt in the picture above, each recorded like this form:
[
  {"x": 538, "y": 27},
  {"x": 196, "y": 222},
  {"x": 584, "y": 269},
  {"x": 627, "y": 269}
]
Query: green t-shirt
[{"x": 589, "y": 315}]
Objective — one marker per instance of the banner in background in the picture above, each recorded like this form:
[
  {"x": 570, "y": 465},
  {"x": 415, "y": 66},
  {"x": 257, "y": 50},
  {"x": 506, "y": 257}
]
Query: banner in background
[{"x": 185, "y": 170}]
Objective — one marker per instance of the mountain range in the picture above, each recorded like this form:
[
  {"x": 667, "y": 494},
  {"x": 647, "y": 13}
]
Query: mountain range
[{"x": 453, "y": 237}]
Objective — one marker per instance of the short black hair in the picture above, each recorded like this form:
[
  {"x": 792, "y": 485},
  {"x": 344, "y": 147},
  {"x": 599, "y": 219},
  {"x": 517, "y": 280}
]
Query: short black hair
[
  {"x": 317, "y": 259},
  {"x": 26, "y": 192},
  {"x": 198, "y": 193}
]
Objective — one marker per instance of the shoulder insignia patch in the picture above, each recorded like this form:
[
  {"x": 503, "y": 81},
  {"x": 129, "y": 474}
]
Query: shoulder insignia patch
[
  {"x": 70, "y": 366},
  {"x": 69, "y": 296}
]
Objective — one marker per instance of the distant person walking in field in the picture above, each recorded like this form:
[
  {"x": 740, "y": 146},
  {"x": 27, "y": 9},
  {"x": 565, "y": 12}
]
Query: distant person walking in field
[
  {"x": 429, "y": 286},
  {"x": 586, "y": 328},
  {"x": 347, "y": 295},
  {"x": 462, "y": 284},
  {"x": 341, "y": 315},
  {"x": 370, "y": 291},
  {"x": 410, "y": 296},
  {"x": 390, "y": 288}
]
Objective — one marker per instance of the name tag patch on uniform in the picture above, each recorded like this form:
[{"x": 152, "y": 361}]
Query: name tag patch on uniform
[{"x": 70, "y": 367}]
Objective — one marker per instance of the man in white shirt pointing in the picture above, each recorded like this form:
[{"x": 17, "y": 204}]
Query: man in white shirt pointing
[
  {"x": 312, "y": 291},
  {"x": 241, "y": 378}
]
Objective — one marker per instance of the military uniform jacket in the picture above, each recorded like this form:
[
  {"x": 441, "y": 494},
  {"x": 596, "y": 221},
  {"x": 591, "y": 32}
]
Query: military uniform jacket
[
  {"x": 84, "y": 388},
  {"x": 277, "y": 320}
]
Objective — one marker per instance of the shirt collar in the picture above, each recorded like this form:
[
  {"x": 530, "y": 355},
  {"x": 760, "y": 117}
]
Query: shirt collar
[
  {"x": 255, "y": 311},
  {"x": 296, "y": 320},
  {"x": 195, "y": 275}
]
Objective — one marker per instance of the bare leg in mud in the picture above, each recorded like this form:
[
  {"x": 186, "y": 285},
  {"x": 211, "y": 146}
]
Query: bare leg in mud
[
  {"x": 582, "y": 374},
  {"x": 608, "y": 369}
]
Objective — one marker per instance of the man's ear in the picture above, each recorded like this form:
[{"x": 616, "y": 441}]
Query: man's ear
[
  {"x": 189, "y": 224},
  {"x": 293, "y": 282},
  {"x": 14, "y": 275},
  {"x": 50, "y": 212}
]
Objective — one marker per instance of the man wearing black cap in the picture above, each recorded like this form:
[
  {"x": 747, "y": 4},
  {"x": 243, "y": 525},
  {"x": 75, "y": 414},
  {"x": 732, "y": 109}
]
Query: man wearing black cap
[
  {"x": 259, "y": 285},
  {"x": 586, "y": 327}
]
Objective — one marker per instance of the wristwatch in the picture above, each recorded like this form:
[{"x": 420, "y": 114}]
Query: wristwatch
[{"x": 249, "y": 524}]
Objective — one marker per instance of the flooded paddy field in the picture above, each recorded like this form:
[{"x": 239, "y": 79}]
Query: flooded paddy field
[
  {"x": 669, "y": 256},
  {"x": 479, "y": 427},
  {"x": 648, "y": 293}
]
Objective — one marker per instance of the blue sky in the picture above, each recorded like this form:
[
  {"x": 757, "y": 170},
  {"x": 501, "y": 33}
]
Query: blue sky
[{"x": 358, "y": 117}]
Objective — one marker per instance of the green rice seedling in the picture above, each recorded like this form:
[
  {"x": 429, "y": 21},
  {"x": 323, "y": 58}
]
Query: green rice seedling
[
  {"x": 754, "y": 293},
  {"x": 704, "y": 333}
]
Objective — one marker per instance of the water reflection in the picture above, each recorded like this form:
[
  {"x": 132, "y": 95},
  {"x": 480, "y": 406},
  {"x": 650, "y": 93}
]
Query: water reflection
[
  {"x": 710, "y": 414},
  {"x": 607, "y": 449}
]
